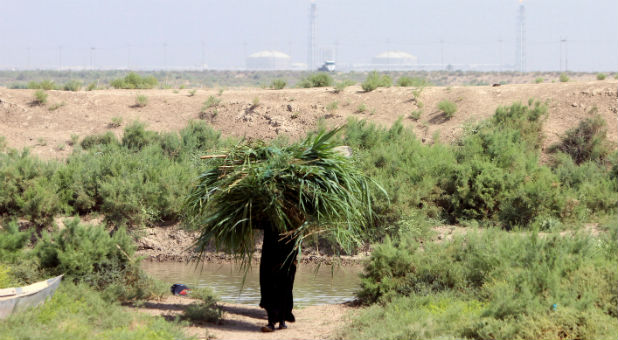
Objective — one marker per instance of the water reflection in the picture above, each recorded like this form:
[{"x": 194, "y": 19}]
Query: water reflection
[{"x": 313, "y": 285}]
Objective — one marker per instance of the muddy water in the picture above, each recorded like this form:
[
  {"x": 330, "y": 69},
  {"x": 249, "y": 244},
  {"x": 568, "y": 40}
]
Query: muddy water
[{"x": 313, "y": 285}]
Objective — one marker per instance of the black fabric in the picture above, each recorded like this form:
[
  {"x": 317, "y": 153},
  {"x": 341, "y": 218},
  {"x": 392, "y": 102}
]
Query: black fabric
[
  {"x": 177, "y": 288},
  {"x": 277, "y": 271}
]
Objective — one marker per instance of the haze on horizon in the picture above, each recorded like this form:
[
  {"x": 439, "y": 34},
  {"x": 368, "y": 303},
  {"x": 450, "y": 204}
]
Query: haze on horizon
[{"x": 189, "y": 34}]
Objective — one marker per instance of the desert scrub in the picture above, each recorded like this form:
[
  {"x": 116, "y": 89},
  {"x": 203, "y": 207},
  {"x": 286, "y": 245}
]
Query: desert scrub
[
  {"x": 539, "y": 80},
  {"x": 212, "y": 101},
  {"x": 412, "y": 81},
  {"x": 72, "y": 85},
  {"x": 340, "y": 86},
  {"x": 563, "y": 77},
  {"x": 278, "y": 84},
  {"x": 332, "y": 106},
  {"x": 134, "y": 81},
  {"x": 416, "y": 115},
  {"x": 375, "y": 80},
  {"x": 448, "y": 108},
  {"x": 191, "y": 93},
  {"x": 56, "y": 106},
  {"x": 206, "y": 310},
  {"x": 141, "y": 101},
  {"x": 116, "y": 122},
  {"x": 361, "y": 108},
  {"x": 78, "y": 312},
  {"x": 587, "y": 142},
  {"x": 601, "y": 76},
  {"x": 316, "y": 80},
  {"x": 91, "y": 87},
  {"x": 40, "y": 97},
  {"x": 42, "y": 85},
  {"x": 491, "y": 284}
]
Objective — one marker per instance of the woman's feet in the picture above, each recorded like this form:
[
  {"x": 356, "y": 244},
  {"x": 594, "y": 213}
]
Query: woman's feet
[
  {"x": 268, "y": 328},
  {"x": 282, "y": 325}
]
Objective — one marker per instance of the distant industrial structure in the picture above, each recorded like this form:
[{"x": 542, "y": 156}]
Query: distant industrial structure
[
  {"x": 520, "y": 47},
  {"x": 394, "y": 60},
  {"x": 313, "y": 32},
  {"x": 268, "y": 61}
]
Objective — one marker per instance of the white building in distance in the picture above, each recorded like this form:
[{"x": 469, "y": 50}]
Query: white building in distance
[
  {"x": 394, "y": 60},
  {"x": 268, "y": 60}
]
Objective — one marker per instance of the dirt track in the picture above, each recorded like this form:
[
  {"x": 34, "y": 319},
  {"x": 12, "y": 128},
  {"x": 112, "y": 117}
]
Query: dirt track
[
  {"x": 244, "y": 322},
  {"x": 290, "y": 112}
]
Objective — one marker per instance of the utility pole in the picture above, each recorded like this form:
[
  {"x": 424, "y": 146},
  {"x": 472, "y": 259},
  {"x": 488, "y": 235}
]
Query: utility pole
[{"x": 60, "y": 57}]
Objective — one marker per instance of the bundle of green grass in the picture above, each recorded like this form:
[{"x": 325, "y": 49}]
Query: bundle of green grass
[{"x": 298, "y": 190}]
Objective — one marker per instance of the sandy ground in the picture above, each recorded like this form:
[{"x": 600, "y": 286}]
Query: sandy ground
[
  {"x": 292, "y": 112},
  {"x": 244, "y": 321}
]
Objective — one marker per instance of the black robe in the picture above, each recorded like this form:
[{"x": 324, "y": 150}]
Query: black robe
[{"x": 277, "y": 271}]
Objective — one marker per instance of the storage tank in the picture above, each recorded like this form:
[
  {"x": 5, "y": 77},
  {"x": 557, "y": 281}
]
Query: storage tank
[{"x": 268, "y": 60}]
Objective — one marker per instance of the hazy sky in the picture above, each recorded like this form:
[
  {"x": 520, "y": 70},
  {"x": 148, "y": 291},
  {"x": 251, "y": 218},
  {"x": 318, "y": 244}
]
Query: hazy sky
[{"x": 183, "y": 33}]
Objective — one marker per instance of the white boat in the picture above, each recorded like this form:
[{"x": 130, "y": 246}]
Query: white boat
[{"x": 13, "y": 300}]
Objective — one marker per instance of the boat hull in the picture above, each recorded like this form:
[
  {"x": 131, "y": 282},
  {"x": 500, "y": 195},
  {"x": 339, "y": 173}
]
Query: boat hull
[{"x": 13, "y": 300}]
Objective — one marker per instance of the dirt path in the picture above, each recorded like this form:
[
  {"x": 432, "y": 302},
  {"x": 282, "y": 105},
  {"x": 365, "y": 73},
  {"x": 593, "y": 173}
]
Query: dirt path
[{"x": 245, "y": 321}]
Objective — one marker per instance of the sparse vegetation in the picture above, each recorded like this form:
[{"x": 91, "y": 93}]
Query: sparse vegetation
[
  {"x": 416, "y": 115},
  {"x": 406, "y": 81},
  {"x": 116, "y": 122},
  {"x": 586, "y": 142},
  {"x": 72, "y": 85},
  {"x": 92, "y": 86},
  {"x": 375, "y": 80},
  {"x": 601, "y": 76},
  {"x": 340, "y": 86},
  {"x": 206, "y": 310},
  {"x": 191, "y": 93},
  {"x": 141, "y": 100},
  {"x": 361, "y": 108},
  {"x": 278, "y": 84},
  {"x": 56, "y": 106},
  {"x": 43, "y": 85},
  {"x": 563, "y": 77},
  {"x": 212, "y": 101},
  {"x": 320, "y": 79},
  {"x": 448, "y": 108},
  {"x": 255, "y": 103},
  {"x": 539, "y": 80},
  {"x": 332, "y": 106},
  {"x": 135, "y": 81},
  {"x": 40, "y": 97}
]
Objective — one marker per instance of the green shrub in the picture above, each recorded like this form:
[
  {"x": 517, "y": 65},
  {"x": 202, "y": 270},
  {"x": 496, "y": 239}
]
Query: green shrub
[
  {"x": 92, "y": 86},
  {"x": 212, "y": 101},
  {"x": 405, "y": 81},
  {"x": 601, "y": 76},
  {"x": 141, "y": 100},
  {"x": 416, "y": 114},
  {"x": 78, "y": 312},
  {"x": 116, "y": 122},
  {"x": 332, "y": 106},
  {"x": 564, "y": 77},
  {"x": 43, "y": 85},
  {"x": 278, "y": 84},
  {"x": 361, "y": 108},
  {"x": 134, "y": 81},
  {"x": 40, "y": 97},
  {"x": 72, "y": 85},
  {"x": 317, "y": 80},
  {"x": 91, "y": 141},
  {"x": 586, "y": 142},
  {"x": 340, "y": 86},
  {"x": 448, "y": 108},
  {"x": 56, "y": 106},
  {"x": 12, "y": 241},
  {"x": 539, "y": 80},
  {"x": 206, "y": 310},
  {"x": 490, "y": 284},
  {"x": 375, "y": 80}
]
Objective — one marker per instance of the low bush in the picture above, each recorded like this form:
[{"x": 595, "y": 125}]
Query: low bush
[
  {"x": 91, "y": 141},
  {"x": 319, "y": 79},
  {"x": 539, "y": 80},
  {"x": 375, "y": 80},
  {"x": 43, "y": 85},
  {"x": 340, "y": 86},
  {"x": 601, "y": 76},
  {"x": 278, "y": 84},
  {"x": 491, "y": 284},
  {"x": 72, "y": 85},
  {"x": 134, "y": 81},
  {"x": 206, "y": 310},
  {"x": 40, "y": 97},
  {"x": 141, "y": 100},
  {"x": 448, "y": 108},
  {"x": 563, "y": 78},
  {"x": 405, "y": 81},
  {"x": 586, "y": 142}
]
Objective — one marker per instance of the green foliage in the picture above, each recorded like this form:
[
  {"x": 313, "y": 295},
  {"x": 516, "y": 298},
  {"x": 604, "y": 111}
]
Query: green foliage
[
  {"x": 375, "y": 80},
  {"x": 92, "y": 86},
  {"x": 490, "y": 284},
  {"x": 416, "y": 114},
  {"x": 141, "y": 100},
  {"x": 448, "y": 108},
  {"x": 278, "y": 84},
  {"x": 319, "y": 79},
  {"x": 539, "y": 80},
  {"x": 340, "y": 86},
  {"x": 12, "y": 241},
  {"x": 43, "y": 85},
  {"x": 78, "y": 312},
  {"x": 280, "y": 187},
  {"x": 56, "y": 106},
  {"x": 586, "y": 142},
  {"x": 91, "y": 141},
  {"x": 72, "y": 85},
  {"x": 40, "y": 97},
  {"x": 406, "y": 81},
  {"x": 134, "y": 81},
  {"x": 564, "y": 78},
  {"x": 332, "y": 106},
  {"x": 212, "y": 101},
  {"x": 116, "y": 122},
  {"x": 601, "y": 76},
  {"x": 361, "y": 108},
  {"x": 206, "y": 310}
]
